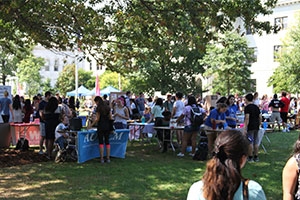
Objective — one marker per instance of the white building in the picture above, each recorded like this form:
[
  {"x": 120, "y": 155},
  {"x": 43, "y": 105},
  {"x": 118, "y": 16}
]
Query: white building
[
  {"x": 266, "y": 46},
  {"x": 56, "y": 60}
]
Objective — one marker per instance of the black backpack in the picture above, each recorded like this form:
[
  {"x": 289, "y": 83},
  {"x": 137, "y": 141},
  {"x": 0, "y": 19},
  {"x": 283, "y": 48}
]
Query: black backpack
[
  {"x": 22, "y": 144},
  {"x": 202, "y": 150},
  {"x": 196, "y": 116}
]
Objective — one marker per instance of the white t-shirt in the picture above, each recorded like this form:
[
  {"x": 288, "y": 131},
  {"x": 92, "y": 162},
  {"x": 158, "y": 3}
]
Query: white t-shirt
[
  {"x": 255, "y": 191},
  {"x": 179, "y": 105},
  {"x": 60, "y": 127}
]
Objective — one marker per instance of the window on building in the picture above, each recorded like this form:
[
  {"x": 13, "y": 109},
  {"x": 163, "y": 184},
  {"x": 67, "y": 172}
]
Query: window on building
[
  {"x": 248, "y": 30},
  {"x": 281, "y": 23},
  {"x": 277, "y": 52},
  {"x": 47, "y": 65},
  {"x": 56, "y": 65}
]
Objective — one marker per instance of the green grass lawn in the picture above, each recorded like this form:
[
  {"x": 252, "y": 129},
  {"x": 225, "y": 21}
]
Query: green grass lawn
[{"x": 145, "y": 173}]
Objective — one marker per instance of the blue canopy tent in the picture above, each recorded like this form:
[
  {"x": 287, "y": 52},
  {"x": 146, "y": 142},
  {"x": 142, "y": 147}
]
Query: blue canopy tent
[
  {"x": 82, "y": 91},
  {"x": 104, "y": 91}
]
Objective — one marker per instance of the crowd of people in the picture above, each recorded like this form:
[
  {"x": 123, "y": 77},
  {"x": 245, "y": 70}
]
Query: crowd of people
[{"x": 228, "y": 151}]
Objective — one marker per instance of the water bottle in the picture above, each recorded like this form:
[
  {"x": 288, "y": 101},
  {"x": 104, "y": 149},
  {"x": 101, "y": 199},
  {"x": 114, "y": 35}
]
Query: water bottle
[
  {"x": 265, "y": 125},
  {"x": 143, "y": 119},
  {"x": 31, "y": 118}
]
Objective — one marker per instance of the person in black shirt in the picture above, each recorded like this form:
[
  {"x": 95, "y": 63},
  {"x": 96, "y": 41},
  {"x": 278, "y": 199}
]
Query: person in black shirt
[
  {"x": 251, "y": 126},
  {"x": 275, "y": 105}
]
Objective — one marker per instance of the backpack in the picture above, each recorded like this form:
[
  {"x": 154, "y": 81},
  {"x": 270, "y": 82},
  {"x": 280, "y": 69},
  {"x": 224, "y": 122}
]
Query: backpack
[
  {"x": 202, "y": 150},
  {"x": 196, "y": 116},
  {"x": 22, "y": 144}
]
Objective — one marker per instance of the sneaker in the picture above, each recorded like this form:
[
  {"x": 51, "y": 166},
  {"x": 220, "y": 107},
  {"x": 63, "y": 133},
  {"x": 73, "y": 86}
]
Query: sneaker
[
  {"x": 191, "y": 154},
  {"x": 284, "y": 130},
  {"x": 102, "y": 161},
  {"x": 108, "y": 160},
  {"x": 41, "y": 152},
  {"x": 250, "y": 160},
  {"x": 287, "y": 130},
  {"x": 180, "y": 155},
  {"x": 255, "y": 159}
]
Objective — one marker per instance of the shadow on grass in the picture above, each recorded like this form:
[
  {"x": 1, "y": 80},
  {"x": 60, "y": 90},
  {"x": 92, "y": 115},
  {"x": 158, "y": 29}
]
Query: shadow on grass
[{"x": 145, "y": 173}]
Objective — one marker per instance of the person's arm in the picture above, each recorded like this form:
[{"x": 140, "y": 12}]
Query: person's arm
[
  {"x": 95, "y": 121},
  {"x": 11, "y": 111},
  {"x": 246, "y": 122},
  {"x": 289, "y": 179},
  {"x": 173, "y": 112}
]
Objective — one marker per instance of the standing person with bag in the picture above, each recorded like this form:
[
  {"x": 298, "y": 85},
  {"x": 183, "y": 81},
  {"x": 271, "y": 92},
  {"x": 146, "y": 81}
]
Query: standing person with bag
[
  {"x": 103, "y": 117},
  {"x": 223, "y": 179},
  {"x": 190, "y": 129}
]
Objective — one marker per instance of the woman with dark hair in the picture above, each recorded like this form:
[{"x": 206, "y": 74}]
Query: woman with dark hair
[
  {"x": 17, "y": 109},
  {"x": 290, "y": 175},
  {"x": 222, "y": 179},
  {"x": 103, "y": 117},
  {"x": 71, "y": 103},
  {"x": 190, "y": 131},
  {"x": 51, "y": 118},
  {"x": 28, "y": 110},
  {"x": 156, "y": 112},
  {"x": 230, "y": 113}
]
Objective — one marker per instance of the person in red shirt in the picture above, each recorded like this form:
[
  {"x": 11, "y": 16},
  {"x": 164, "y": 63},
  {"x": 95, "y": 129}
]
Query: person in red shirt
[{"x": 284, "y": 111}]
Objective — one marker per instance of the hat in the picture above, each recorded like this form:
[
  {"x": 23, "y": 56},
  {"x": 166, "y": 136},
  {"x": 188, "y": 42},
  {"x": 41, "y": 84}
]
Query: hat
[{"x": 169, "y": 94}]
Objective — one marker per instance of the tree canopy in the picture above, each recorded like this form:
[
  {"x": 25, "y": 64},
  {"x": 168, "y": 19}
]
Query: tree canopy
[
  {"x": 160, "y": 40},
  {"x": 228, "y": 61}
]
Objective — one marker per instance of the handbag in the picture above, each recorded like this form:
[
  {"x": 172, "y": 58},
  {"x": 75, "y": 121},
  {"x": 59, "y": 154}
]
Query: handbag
[{"x": 111, "y": 125}]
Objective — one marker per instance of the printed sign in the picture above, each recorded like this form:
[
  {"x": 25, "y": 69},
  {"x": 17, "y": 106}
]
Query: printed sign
[{"x": 88, "y": 144}]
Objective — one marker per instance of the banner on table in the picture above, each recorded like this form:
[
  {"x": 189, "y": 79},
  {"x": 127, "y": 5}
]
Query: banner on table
[{"x": 88, "y": 145}]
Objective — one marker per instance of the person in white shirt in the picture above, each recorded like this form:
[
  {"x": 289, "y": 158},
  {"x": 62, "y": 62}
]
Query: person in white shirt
[
  {"x": 223, "y": 178},
  {"x": 178, "y": 108}
]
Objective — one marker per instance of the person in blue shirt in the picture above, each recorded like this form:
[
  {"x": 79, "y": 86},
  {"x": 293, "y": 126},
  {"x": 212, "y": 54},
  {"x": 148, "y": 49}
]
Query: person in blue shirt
[
  {"x": 215, "y": 120},
  {"x": 231, "y": 118},
  {"x": 223, "y": 178},
  {"x": 6, "y": 108}
]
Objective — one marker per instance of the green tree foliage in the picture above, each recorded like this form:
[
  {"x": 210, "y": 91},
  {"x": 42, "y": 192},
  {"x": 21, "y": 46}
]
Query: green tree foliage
[
  {"x": 109, "y": 78},
  {"x": 162, "y": 40},
  {"x": 287, "y": 76},
  {"x": 66, "y": 79},
  {"x": 28, "y": 73},
  {"x": 228, "y": 62}
]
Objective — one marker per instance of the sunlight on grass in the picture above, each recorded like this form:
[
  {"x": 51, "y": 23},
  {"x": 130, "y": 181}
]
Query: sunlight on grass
[{"x": 145, "y": 173}]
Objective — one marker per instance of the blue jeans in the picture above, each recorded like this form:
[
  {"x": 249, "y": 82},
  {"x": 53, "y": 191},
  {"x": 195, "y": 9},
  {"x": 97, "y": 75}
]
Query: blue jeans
[{"x": 62, "y": 142}]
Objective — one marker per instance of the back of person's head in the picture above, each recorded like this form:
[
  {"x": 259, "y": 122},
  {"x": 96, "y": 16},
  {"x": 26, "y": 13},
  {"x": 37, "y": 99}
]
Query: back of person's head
[
  {"x": 283, "y": 94},
  {"x": 52, "y": 105},
  {"x": 105, "y": 96},
  {"x": 5, "y": 93},
  {"x": 47, "y": 94},
  {"x": 179, "y": 95},
  {"x": 223, "y": 172},
  {"x": 128, "y": 93},
  {"x": 222, "y": 100},
  {"x": 159, "y": 101},
  {"x": 97, "y": 99},
  {"x": 275, "y": 96},
  {"x": 249, "y": 97},
  {"x": 191, "y": 100}
]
